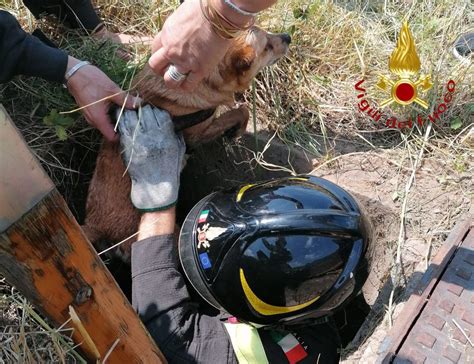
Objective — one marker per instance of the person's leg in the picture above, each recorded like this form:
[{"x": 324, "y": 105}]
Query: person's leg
[
  {"x": 73, "y": 13},
  {"x": 80, "y": 14}
]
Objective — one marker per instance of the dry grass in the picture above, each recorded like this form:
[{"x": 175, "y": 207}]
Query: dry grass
[
  {"x": 25, "y": 337},
  {"x": 308, "y": 99}
]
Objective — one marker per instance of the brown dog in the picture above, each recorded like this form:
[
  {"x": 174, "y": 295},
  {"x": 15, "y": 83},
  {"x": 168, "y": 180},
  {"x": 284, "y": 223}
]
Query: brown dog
[{"x": 110, "y": 216}]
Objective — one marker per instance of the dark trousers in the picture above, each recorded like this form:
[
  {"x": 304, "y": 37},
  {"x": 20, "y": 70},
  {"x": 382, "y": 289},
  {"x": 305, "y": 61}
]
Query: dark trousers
[{"x": 73, "y": 13}]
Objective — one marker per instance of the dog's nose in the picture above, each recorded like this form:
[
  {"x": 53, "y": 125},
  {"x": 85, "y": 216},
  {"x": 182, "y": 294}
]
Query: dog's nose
[{"x": 286, "y": 38}]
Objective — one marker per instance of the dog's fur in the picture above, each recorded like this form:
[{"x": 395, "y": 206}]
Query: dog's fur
[{"x": 110, "y": 216}]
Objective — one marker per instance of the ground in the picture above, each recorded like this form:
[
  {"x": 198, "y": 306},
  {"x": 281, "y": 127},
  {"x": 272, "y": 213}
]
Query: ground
[{"x": 414, "y": 183}]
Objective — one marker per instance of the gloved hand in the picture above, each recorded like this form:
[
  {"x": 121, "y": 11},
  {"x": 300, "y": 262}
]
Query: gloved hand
[{"x": 153, "y": 154}]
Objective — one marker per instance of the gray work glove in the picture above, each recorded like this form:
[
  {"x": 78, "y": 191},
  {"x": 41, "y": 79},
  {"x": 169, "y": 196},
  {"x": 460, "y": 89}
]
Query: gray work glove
[{"x": 153, "y": 154}]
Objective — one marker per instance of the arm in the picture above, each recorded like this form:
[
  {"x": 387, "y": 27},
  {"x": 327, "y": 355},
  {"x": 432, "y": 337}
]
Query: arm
[
  {"x": 21, "y": 53},
  {"x": 154, "y": 152},
  {"x": 188, "y": 41},
  {"x": 162, "y": 300}
]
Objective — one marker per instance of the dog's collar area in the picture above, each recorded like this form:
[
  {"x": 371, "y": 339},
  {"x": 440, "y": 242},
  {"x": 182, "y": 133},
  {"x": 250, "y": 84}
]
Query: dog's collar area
[
  {"x": 186, "y": 121},
  {"x": 180, "y": 122}
]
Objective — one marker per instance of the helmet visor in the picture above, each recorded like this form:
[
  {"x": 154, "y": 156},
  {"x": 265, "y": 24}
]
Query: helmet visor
[{"x": 283, "y": 273}]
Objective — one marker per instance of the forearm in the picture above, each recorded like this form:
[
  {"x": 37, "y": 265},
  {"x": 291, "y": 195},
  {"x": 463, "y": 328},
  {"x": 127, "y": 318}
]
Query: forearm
[
  {"x": 156, "y": 281},
  {"x": 23, "y": 54},
  {"x": 161, "y": 299}
]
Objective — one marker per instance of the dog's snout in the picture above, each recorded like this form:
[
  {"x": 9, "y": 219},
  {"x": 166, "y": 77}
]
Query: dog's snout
[{"x": 286, "y": 38}]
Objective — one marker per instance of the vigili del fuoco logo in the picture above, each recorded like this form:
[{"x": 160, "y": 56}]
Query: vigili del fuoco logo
[{"x": 408, "y": 87}]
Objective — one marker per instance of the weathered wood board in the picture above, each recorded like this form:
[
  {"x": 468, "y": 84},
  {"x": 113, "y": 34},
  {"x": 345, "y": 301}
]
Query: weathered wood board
[{"x": 45, "y": 255}]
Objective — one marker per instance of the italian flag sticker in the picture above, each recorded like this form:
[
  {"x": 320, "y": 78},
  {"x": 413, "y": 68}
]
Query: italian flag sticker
[
  {"x": 203, "y": 216},
  {"x": 293, "y": 350}
]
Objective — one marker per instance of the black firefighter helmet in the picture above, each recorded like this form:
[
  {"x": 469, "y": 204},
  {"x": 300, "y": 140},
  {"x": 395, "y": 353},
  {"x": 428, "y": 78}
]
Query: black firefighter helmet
[{"x": 279, "y": 252}]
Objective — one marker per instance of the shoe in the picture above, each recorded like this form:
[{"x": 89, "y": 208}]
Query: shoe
[{"x": 464, "y": 45}]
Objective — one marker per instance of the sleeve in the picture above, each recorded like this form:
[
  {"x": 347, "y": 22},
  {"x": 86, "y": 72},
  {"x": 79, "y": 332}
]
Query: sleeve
[
  {"x": 160, "y": 297},
  {"x": 23, "y": 54},
  {"x": 76, "y": 13},
  {"x": 85, "y": 13}
]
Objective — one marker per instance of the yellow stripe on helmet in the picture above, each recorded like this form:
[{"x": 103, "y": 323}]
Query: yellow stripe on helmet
[
  {"x": 304, "y": 179},
  {"x": 265, "y": 308},
  {"x": 242, "y": 191}
]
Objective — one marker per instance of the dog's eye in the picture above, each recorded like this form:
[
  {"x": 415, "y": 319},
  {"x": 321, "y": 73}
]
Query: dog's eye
[{"x": 269, "y": 47}]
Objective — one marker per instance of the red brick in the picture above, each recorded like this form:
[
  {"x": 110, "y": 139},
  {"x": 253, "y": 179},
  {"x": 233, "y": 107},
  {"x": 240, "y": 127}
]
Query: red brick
[
  {"x": 437, "y": 322},
  {"x": 455, "y": 288},
  {"x": 451, "y": 354},
  {"x": 426, "y": 339},
  {"x": 463, "y": 273},
  {"x": 416, "y": 357},
  {"x": 447, "y": 305},
  {"x": 468, "y": 317},
  {"x": 457, "y": 335}
]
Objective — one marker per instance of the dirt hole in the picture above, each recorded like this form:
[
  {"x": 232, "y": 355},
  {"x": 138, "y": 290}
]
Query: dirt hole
[{"x": 220, "y": 165}]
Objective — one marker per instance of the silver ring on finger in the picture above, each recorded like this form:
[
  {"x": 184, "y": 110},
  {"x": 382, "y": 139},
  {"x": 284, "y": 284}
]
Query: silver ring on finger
[{"x": 174, "y": 74}]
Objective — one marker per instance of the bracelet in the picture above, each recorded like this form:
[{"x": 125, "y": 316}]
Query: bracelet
[
  {"x": 220, "y": 24},
  {"x": 73, "y": 70},
  {"x": 234, "y": 7}
]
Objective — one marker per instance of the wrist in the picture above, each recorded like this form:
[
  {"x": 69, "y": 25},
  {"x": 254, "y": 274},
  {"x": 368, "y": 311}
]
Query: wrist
[
  {"x": 235, "y": 17},
  {"x": 71, "y": 62},
  {"x": 157, "y": 223},
  {"x": 73, "y": 66}
]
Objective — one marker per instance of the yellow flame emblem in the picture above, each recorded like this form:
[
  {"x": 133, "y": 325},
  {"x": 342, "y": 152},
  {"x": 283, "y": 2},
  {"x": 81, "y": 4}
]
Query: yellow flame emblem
[{"x": 404, "y": 63}]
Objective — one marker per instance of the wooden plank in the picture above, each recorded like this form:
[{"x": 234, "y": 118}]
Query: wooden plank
[
  {"x": 46, "y": 256},
  {"x": 23, "y": 183}
]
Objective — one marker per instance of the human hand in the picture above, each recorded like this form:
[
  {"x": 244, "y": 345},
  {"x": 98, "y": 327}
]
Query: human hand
[
  {"x": 153, "y": 155},
  {"x": 123, "y": 39},
  {"x": 188, "y": 42},
  {"x": 94, "y": 92}
]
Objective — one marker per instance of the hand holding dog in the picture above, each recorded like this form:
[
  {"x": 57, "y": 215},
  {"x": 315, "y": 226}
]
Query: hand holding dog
[
  {"x": 188, "y": 42},
  {"x": 89, "y": 85}
]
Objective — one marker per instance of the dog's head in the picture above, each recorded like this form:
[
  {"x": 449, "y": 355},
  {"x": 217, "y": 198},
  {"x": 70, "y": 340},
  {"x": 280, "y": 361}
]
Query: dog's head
[{"x": 249, "y": 54}]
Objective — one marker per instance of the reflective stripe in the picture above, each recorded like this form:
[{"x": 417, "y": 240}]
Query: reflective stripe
[
  {"x": 247, "y": 344},
  {"x": 265, "y": 308},
  {"x": 304, "y": 179},
  {"x": 242, "y": 190}
]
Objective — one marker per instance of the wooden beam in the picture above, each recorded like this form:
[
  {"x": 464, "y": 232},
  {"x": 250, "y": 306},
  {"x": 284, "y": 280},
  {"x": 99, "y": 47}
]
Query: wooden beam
[{"x": 46, "y": 256}]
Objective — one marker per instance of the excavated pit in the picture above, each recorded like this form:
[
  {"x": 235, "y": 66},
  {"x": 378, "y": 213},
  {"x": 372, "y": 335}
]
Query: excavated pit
[
  {"x": 371, "y": 177},
  {"x": 221, "y": 165}
]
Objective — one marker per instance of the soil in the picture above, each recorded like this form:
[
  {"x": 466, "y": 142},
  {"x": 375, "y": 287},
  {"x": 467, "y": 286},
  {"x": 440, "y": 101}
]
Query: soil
[
  {"x": 375, "y": 178},
  {"x": 434, "y": 203}
]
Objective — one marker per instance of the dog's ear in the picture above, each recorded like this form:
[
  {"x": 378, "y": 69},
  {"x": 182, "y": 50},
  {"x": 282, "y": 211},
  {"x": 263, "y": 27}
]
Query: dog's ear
[{"x": 242, "y": 60}]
